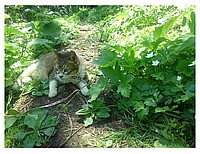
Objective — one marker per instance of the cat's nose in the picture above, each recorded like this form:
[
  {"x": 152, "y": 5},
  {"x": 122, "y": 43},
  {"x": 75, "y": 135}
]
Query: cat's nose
[{"x": 60, "y": 76}]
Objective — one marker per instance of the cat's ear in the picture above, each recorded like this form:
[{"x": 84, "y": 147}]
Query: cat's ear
[
  {"x": 57, "y": 54},
  {"x": 73, "y": 57}
]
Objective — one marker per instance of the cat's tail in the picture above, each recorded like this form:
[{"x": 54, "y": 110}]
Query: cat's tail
[{"x": 25, "y": 76}]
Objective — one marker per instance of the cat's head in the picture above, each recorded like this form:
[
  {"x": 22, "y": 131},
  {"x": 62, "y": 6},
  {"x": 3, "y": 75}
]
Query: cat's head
[{"x": 67, "y": 63}]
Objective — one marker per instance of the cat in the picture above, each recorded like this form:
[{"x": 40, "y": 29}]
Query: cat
[{"x": 59, "y": 68}]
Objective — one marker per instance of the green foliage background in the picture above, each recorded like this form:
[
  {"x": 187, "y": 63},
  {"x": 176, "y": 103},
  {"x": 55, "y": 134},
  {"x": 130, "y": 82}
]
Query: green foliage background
[{"x": 147, "y": 62}]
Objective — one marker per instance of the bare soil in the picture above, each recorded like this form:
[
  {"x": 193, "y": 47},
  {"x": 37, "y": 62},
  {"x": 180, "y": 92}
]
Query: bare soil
[{"x": 70, "y": 132}]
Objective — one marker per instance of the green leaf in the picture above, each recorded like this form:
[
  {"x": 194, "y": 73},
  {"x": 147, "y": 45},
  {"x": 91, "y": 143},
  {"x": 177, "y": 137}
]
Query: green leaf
[
  {"x": 192, "y": 23},
  {"x": 183, "y": 67},
  {"x": 88, "y": 121},
  {"x": 158, "y": 41},
  {"x": 49, "y": 131},
  {"x": 35, "y": 118},
  {"x": 102, "y": 114},
  {"x": 10, "y": 121},
  {"x": 40, "y": 42},
  {"x": 162, "y": 109},
  {"x": 143, "y": 113},
  {"x": 94, "y": 91},
  {"x": 148, "y": 44},
  {"x": 12, "y": 30},
  {"x": 163, "y": 30},
  {"x": 30, "y": 121},
  {"x": 52, "y": 28},
  {"x": 37, "y": 93},
  {"x": 50, "y": 121},
  {"x": 113, "y": 75},
  {"x": 189, "y": 43},
  {"x": 184, "y": 21},
  {"x": 124, "y": 89},
  {"x": 150, "y": 102},
  {"x": 127, "y": 78},
  {"x": 6, "y": 16},
  {"x": 83, "y": 112},
  {"x": 30, "y": 140},
  {"x": 20, "y": 135},
  {"x": 138, "y": 106},
  {"x": 12, "y": 112},
  {"x": 107, "y": 58}
]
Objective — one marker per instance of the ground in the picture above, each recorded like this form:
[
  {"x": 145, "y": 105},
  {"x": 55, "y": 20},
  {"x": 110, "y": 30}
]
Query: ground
[{"x": 71, "y": 132}]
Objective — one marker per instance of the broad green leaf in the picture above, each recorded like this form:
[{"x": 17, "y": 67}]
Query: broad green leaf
[
  {"x": 49, "y": 131},
  {"x": 113, "y": 75},
  {"x": 102, "y": 114},
  {"x": 192, "y": 23},
  {"x": 30, "y": 140},
  {"x": 124, "y": 89},
  {"x": 139, "y": 105},
  {"x": 107, "y": 58},
  {"x": 40, "y": 42},
  {"x": 150, "y": 102},
  {"x": 163, "y": 30},
  {"x": 35, "y": 118},
  {"x": 148, "y": 44},
  {"x": 41, "y": 113},
  {"x": 96, "y": 89},
  {"x": 12, "y": 112},
  {"x": 9, "y": 122},
  {"x": 189, "y": 43},
  {"x": 20, "y": 135},
  {"x": 30, "y": 121},
  {"x": 183, "y": 67},
  {"x": 184, "y": 21},
  {"x": 12, "y": 30},
  {"x": 88, "y": 121},
  {"x": 6, "y": 16},
  {"x": 158, "y": 41},
  {"x": 127, "y": 78},
  {"x": 162, "y": 109},
  {"x": 143, "y": 113},
  {"x": 50, "y": 121},
  {"x": 52, "y": 28},
  {"x": 82, "y": 112}
]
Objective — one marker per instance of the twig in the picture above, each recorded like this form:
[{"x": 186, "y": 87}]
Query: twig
[
  {"x": 70, "y": 136},
  {"x": 69, "y": 98}
]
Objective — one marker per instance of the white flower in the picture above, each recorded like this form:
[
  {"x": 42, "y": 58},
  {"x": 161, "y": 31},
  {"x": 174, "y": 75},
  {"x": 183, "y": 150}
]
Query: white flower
[
  {"x": 155, "y": 63},
  {"x": 149, "y": 55},
  {"x": 178, "y": 78}
]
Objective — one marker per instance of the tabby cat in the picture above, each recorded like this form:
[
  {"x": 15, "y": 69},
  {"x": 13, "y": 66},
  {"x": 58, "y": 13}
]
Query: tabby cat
[{"x": 59, "y": 68}]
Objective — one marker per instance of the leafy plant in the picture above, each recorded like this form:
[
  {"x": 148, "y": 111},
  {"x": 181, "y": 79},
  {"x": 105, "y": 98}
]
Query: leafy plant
[
  {"x": 94, "y": 111},
  {"x": 32, "y": 129},
  {"x": 37, "y": 87},
  {"x": 152, "y": 76}
]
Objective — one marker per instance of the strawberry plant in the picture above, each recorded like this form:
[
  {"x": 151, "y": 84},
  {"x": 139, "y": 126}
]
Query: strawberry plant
[
  {"x": 32, "y": 129},
  {"x": 154, "y": 75},
  {"x": 96, "y": 110}
]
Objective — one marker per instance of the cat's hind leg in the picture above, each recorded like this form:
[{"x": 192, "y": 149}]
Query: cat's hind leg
[{"x": 25, "y": 77}]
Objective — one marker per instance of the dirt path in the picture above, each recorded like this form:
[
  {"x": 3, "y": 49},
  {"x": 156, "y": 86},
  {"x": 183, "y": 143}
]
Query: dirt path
[{"x": 70, "y": 131}]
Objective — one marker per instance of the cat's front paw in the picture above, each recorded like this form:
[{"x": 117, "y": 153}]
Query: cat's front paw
[
  {"x": 52, "y": 93},
  {"x": 52, "y": 88},
  {"x": 84, "y": 91}
]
